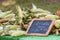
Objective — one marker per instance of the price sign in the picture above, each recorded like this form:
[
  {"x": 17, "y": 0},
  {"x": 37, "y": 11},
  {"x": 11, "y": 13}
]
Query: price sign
[{"x": 40, "y": 27}]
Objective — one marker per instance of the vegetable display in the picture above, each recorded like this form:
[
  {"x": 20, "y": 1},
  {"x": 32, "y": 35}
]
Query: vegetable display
[{"x": 13, "y": 23}]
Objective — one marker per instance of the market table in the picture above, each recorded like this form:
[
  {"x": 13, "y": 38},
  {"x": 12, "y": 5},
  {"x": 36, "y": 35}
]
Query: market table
[{"x": 49, "y": 37}]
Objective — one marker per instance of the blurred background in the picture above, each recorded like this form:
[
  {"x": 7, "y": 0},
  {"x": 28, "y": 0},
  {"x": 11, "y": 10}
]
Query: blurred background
[{"x": 51, "y": 5}]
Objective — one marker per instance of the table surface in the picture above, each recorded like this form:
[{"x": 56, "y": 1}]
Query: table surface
[{"x": 49, "y": 37}]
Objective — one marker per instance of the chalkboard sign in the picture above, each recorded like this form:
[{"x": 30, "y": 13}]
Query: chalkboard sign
[{"x": 40, "y": 27}]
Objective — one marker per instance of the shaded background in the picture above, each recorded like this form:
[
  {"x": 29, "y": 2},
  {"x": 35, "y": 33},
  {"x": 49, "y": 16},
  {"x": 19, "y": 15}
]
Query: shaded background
[{"x": 51, "y": 5}]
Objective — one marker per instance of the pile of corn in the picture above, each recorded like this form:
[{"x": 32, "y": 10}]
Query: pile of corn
[
  {"x": 9, "y": 24},
  {"x": 12, "y": 23}
]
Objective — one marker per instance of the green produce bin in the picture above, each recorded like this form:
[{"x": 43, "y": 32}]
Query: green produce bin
[{"x": 49, "y": 37}]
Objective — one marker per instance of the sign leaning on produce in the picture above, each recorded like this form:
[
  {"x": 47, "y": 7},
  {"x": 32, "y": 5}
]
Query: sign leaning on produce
[{"x": 40, "y": 27}]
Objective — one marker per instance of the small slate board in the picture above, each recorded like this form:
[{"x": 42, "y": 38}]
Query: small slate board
[{"x": 40, "y": 27}]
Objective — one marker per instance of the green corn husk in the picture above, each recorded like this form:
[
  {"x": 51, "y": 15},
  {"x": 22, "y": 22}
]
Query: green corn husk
[
  {"x": 9, "y": 16},
  {"x": 17, "y": 33},
  {"x": 6, "y": 23},
  {"x": 1, "y": 29},
  {"x": 8, "y": 12},
  {"x": 3, "y": 14},
  {"x": 36, "y": 10},
  {"x": 57, "y": 24},
  {"x": 18, "y": 16},
  {"x": 52, "y": 16},
  {"x": 12, "y": 27}
]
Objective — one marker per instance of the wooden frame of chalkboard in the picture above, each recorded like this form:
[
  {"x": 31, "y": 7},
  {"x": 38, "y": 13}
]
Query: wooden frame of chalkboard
[{"x": 39, "y": 34}]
